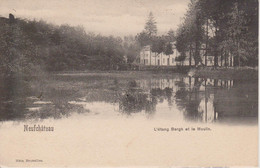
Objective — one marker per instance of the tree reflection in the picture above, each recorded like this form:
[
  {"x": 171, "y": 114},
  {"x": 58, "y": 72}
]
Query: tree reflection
[
  {"x": 135, "y": 100},
  {"x": 235, "y": 98},
  {"x": 12, "y": 102},
  {"x": 162, "y": 94},
  {"x": 18, "y": 101},
  {"x": 211, "y": 100},
  {"x": 188, "y": 99}
]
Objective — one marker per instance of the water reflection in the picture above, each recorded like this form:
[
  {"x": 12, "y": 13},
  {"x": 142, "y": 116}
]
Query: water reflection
[
  {"x": 20, "y": 99},
  {"x": 209, "y": 100},
  {"x": 175, "y": 98},
  {"x": 10, "y": 104},
  {"x": 136, "y": 100}
]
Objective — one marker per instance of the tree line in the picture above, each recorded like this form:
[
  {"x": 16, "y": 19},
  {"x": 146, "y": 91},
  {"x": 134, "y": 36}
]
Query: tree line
[
  {"x": 28, "y": 46},
  {"x": 225, "y": 27}
]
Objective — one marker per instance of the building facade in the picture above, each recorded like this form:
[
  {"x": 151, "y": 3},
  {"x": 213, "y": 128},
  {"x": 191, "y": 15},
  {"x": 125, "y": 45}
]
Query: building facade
[{"x": 149, "y": 58}]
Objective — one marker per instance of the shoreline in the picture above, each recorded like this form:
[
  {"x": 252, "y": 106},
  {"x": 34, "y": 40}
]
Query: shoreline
[{"x": 237, "y": 73}]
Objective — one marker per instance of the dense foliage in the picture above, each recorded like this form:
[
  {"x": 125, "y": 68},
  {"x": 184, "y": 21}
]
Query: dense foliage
[
  {"x": 30, "y": 46},
  {"x": 225, "y": 27}
]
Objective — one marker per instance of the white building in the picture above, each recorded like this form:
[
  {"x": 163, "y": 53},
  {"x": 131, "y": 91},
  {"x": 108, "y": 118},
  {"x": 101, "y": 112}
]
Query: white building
[{"x": 147, "y": 57}]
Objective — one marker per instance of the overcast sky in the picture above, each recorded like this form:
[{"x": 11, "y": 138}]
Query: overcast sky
[{"x": 107, "y": 17}]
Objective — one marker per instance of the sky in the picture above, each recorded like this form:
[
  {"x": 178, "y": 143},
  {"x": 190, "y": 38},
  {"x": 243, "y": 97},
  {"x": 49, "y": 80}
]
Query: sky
[{"x": 106, "y": 17}]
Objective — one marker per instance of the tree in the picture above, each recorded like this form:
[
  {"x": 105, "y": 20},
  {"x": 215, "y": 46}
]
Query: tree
[
  {"x": 168, "y": 49},
  {"x": 144, "y": 39},
  {"x": 190, "y": 33},
  {"x": 182, "y": 38},
  {"x": 181, "y": 58},
  {"x": 242, "y": 31},
  {"x": 171, "y": 36},
  {"x": 157, "y": 46},
  {"x": 196, "y": 28},
  {"x": 131, "y": 48},
  {"x": 150, "y": 25},
  {"x": 147, "y": 36}
]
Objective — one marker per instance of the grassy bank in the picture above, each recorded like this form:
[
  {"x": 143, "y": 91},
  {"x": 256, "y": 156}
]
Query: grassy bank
[
  {"x": 239, "y": 73},
  {"x": 242, "y": 73},
  {"x": 120, "y": 74}
]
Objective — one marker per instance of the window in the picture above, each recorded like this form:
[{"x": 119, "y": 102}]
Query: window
[
  {"x": 163, "y": 60},
  {"x": 172, "y": 60}
]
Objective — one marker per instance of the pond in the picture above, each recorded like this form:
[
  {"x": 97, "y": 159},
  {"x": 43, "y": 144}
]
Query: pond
[
  {"x": 127, "y": 118},
  {"x": 174, "y": 97}
]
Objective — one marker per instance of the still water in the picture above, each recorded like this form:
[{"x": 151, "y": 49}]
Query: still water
[{"x": 98, "y": 95}]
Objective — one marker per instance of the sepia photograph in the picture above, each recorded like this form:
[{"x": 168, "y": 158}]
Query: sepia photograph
[{"x": 129, "y": 83}]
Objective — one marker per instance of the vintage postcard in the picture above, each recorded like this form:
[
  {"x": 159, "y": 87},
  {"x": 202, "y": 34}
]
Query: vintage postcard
[{"x": 129, "y": 83}]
